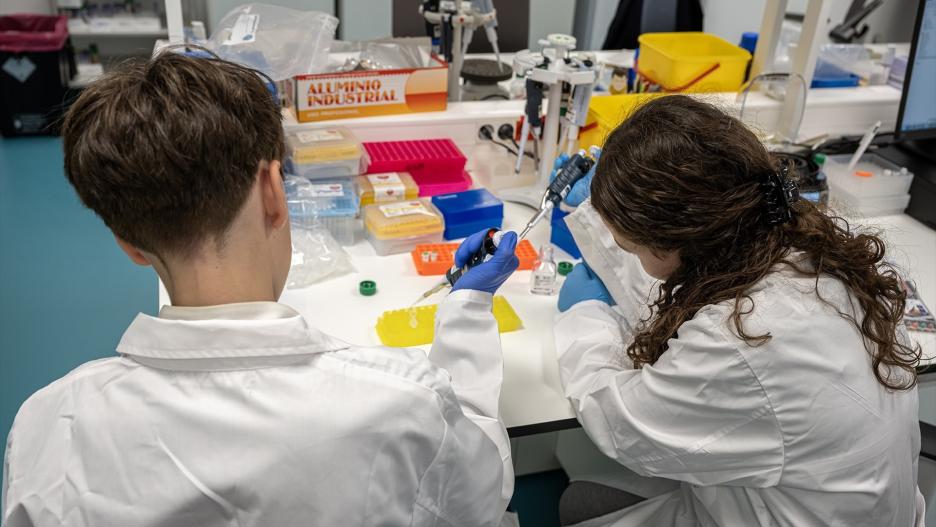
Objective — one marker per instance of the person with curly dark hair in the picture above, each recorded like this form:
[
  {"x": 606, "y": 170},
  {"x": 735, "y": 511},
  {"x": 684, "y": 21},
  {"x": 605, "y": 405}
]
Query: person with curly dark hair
[{"x": 748, "y": 345}]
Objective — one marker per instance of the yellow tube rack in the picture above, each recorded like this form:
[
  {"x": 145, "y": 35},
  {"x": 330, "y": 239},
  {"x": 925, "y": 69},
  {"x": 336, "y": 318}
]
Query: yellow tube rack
[{"x": 395, "y": 327}]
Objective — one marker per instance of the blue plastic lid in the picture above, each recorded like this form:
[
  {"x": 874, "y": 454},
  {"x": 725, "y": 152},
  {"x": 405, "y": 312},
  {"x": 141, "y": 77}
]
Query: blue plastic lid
[
  {"x": 323, "y": 198},
  {"x": 469, "y": 206},
  {"x": 749, "y": 41}
]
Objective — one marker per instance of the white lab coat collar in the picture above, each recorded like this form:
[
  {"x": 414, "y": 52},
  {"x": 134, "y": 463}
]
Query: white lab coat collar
[{"x": 254, "y": 329}]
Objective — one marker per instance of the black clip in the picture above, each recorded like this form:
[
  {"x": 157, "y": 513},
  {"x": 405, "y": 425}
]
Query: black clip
[{"x": 780, "y": 193}]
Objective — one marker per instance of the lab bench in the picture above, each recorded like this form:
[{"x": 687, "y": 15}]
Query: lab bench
[{"x": 532, "y": 400}]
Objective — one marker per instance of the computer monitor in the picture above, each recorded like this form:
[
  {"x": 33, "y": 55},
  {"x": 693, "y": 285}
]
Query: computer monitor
[{"x": 917, "y": 116}]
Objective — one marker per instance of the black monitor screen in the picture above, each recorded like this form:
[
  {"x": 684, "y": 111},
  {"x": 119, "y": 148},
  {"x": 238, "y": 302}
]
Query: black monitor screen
[{"x": 917, "y": 118}]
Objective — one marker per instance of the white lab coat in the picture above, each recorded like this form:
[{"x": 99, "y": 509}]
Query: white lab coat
[
  {"x": 795, "y": 432},
  {"x": 246, "y": 415}
]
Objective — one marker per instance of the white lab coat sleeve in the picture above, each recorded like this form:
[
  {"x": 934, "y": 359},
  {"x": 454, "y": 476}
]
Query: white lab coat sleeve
[
  {"x": 6, "y": 478},
  {"x": 620, "y": 271},
  {"x": 698, "y": 415},
  {"x": 467, "y": 345}
]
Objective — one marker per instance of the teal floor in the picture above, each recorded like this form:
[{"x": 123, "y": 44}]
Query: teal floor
[{"x": 67, "y": 293}]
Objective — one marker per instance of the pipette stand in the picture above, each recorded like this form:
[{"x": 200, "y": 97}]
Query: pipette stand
[
  {"x": 556, "y": 48},
  {"x": 463, "y": 16}
]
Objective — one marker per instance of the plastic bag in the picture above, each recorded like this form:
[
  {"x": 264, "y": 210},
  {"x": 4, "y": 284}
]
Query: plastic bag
[
  {"x": 316, "y": 257},
  {"x": 380, "y": 54},
  {"x": 278, "y": 41}
]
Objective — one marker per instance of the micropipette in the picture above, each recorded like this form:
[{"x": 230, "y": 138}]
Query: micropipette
[
  {"x": 863, "y": 145},
  {"x": 575, "y": 169},
  {"x": 484, "y": 253}
]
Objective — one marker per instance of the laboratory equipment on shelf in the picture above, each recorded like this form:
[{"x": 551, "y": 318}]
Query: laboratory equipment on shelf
[
  {"x": 575, "y": 169},
  {"x": 453, "y": 23},
  {"x": 567, "y": 79}
]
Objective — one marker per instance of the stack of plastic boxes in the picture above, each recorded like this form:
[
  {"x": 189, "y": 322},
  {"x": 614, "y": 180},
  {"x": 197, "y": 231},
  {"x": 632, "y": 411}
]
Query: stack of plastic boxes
[
  {"x": 400, "y": 226},
  {"x": 874, "y": 187},
  {"x": 333, "y": 203},
  {"x": 322, "y": 165},
  {"x": 436, "y": 165},
  {"x": 387, "y": 187}
]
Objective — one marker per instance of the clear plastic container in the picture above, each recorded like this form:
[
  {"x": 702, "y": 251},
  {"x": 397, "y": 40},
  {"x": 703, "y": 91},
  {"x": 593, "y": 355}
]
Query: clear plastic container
[
  {"x": 886, "y": 178},
  {"x": 333, "y": 203},
  {"x": 401, "y": 226},
  {"x": 850, "y": 205},
  {"x": 324, "y": 153},
  {"x": 387, "y": 187}
]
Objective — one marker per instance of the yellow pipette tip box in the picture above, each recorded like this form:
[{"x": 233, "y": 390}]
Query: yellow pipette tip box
[{"x": 395, "y": 328}]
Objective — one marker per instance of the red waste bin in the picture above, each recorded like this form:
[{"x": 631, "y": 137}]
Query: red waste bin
[{"x": 36, "y": 63}]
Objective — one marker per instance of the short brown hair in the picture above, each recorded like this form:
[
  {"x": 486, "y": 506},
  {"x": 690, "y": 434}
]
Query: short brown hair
[{"x": 166, "y": 150}]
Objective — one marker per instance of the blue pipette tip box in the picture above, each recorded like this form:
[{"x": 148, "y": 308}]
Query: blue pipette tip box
[{"x": 468, "y": 212}]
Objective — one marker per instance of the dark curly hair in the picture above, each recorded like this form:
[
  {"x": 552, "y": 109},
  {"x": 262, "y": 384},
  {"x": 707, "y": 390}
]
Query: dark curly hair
[{"x": 681, "y": 175}]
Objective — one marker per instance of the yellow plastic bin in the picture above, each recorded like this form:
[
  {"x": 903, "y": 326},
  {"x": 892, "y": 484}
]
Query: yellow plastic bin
[
  {"x": 691, "y": 62},
  {"x": 606, "y": 112}
]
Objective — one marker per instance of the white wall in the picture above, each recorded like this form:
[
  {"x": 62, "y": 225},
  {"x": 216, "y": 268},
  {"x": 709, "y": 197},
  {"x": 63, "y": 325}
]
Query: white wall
[
  {"x": 25, "y": 6},
  {"x": 892, "y": 22},
  {"x": 365, "y": 19},
  {"x": 729, "y": 19},
  {"x": 218, "y": 8},
  {"x": 546, "y": 16}
]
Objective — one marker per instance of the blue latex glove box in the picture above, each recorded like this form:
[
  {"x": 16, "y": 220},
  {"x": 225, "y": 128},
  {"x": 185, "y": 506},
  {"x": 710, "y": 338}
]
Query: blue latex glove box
[{"x": 468, "y": 212}]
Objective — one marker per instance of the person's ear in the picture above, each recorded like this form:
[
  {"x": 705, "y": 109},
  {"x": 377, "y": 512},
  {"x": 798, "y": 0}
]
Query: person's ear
[
  {"x": 274, "y": 195},
  {"x": 136, "y": 255}
]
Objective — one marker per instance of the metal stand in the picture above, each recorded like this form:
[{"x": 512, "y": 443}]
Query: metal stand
[
  {"x": 561, "y": 68},
  {"x": 461, "y": 19},
  {"x": 815, "y": 33}
]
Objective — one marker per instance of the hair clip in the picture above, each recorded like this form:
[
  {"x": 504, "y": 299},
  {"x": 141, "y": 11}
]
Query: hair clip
[{"x": 780, "y": 192}]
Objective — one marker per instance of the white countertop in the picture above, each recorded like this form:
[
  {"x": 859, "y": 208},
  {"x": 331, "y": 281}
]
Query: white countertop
[{"x": 531, "y": 398}]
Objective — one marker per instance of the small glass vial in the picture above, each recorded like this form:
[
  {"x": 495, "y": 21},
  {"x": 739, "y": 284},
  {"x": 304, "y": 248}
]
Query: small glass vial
[{"x": 543, "y": 279}]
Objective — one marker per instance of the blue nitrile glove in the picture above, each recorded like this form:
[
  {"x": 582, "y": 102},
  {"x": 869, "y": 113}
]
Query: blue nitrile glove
[
  {"x": 491, "y": 274},
  {"x": 581, "y": 190},
  {"x": 583, "y": 284}
]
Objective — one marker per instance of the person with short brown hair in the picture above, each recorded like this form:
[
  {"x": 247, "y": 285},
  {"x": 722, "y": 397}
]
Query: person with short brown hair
[{"x": 230, "y": 408}]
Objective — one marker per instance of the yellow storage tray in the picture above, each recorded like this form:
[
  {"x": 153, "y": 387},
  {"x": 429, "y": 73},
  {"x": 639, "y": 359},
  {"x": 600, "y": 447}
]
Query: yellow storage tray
[
  {"x": 691, "y": 62},
  {"x": 387, "y": 187},
  {"x": 606, "y": 112},
  {"x": 323, "y": 145},
  {"x": 415, "y": 326},
  {"x": 403, "y": 219}
]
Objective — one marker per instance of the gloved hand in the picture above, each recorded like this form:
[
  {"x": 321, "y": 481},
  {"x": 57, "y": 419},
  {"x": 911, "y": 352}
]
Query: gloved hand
[
  {"x": 582, "y": 284},
  {"x": 491, "y": 274},
  {"x": 581, "y": 190}
]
